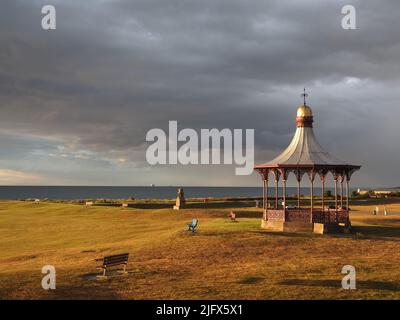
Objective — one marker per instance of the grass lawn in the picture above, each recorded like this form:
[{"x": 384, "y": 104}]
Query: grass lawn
[{"x": 223, "y": 260}]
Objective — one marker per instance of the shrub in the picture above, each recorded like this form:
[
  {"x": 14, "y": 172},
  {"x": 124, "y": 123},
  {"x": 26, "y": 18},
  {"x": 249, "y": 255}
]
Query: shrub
[{"x": 328, "y": 193}]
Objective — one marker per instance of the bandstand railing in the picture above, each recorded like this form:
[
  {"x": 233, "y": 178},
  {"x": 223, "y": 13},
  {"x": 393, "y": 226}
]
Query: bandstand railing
[{"x": 304, "y": 215}]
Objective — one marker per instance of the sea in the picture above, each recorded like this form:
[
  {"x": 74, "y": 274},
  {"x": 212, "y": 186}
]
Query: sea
[{"x": 150, "y": 192}]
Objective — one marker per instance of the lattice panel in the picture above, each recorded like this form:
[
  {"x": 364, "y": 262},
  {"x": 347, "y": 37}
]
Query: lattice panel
[{"x": 276, "y": 215}]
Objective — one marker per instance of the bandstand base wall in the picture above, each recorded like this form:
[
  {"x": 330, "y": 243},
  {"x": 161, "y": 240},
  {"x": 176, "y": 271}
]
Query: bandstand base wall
[
  {"x": 322, "y": 222},
  {"x": 319, "y": 228}
]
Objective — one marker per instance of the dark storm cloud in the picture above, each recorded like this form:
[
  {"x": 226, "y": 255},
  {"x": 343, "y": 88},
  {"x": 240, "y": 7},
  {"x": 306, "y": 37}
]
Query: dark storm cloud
[{"x": 115, "y": 69}]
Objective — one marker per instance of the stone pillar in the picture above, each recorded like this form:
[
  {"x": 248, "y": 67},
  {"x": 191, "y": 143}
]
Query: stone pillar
[{"x": 180, "y": 199}]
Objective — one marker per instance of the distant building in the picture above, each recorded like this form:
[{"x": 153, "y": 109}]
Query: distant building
[
  {"x": 379, "y": 192},
  {"x": 387, "y": 192},
  {"x": 363, "y": 192}
]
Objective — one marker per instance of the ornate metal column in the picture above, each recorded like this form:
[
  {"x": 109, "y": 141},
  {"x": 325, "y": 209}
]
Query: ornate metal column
[
  {"x": 322, "y": 175},
  {"x": 266, "y": 195},
  {"x": 311, "y": 175},
  {"x": 263, "y": 192},
  {"x": 298, "y": 194},
  {"x": 264, "y": 210},
  {"x": 284, "y": 193},
  {"x": 347, "y": 192},
  {"x": 336, "y": 194},
  {"x": 284, "y": 174},
  {"x": 341, "y": 190},
  {"x": 298, "y": 178},
  {"x": 323, "y": 192},
  {"x": 336, "y": 197},
  {"x": 277, "y": 175}
]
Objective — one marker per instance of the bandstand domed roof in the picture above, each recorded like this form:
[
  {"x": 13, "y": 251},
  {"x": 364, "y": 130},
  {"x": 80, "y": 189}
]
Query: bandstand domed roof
[{"x": 304, "y": 150}]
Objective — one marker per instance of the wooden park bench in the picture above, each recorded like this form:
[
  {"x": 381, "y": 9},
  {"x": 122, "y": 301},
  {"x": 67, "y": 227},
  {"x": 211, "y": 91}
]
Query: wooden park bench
[
  {"x": 192, "y": 226},
  {"x": 113, "y": 261}
]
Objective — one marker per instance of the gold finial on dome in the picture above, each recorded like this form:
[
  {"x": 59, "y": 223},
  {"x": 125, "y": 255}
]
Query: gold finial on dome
[{"x": 304, "y": 110}]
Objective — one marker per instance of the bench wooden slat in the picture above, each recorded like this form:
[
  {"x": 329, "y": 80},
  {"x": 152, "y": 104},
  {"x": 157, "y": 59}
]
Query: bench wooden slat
[
  {"x": 115, "y": 258},
  {"x": 115, "y": 262},
  {"x": 118, "y": 255}
]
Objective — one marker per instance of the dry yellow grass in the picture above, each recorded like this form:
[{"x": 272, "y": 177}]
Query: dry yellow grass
[{"x": 223, "y": 260}]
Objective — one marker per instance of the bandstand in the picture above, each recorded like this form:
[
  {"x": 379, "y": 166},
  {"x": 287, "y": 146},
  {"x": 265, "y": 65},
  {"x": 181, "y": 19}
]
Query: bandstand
[{"x": 305, "y": 157}]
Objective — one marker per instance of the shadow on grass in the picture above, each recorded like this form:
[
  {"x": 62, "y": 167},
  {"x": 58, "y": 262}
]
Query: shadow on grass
[
  {"x": 79, "y": 291},
  {"x": 249, "y": 214},
  {"x": 202, "y": 233},
  {"x": 377, "y": 231},
  {"x": 219, "y": 205},
  {"x": 251, "y": 280},
  {"x": 150, "y": 205},
  {"x": 361, "y": 284},
  {"x": 110, "y": 274},
  {"x": 358, "y": 232},
  {"x": 287, "y": 234},
  {"x": 378, "y": 201},
  {"x": 90, "y": 276}
]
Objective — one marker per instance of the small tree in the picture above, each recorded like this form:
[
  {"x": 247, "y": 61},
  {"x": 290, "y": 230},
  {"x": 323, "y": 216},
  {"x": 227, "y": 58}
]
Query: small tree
[{"x": 354, "y": 194}]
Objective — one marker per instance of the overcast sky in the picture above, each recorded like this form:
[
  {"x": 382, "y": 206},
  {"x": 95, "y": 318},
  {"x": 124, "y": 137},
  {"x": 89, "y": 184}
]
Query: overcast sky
[{"x": 76, "y": 102}]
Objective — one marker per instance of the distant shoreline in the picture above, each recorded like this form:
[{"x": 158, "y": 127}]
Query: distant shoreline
[{"x": 148, "y": 192}]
